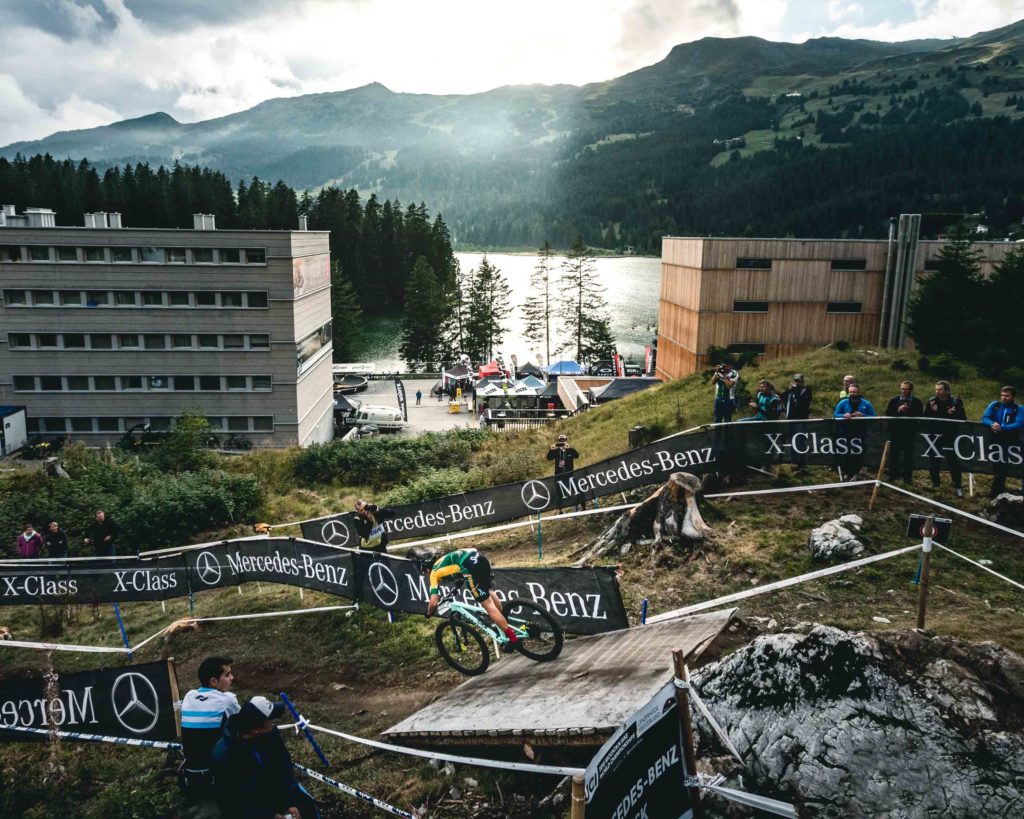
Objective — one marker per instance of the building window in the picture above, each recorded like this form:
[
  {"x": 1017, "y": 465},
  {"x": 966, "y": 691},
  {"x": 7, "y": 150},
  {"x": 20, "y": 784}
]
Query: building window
[
  {"x": 849, "y": 264},
  {"x": 263, "y": 423},
  {"x": 206, "y": 298},
  {"x": 259, "y": 341},
  {"x": 230, "y": 299},
  {"x": 19, "y": 340},
  {"x": 255, "y": 256},
  {"x": 157, "y": 382},
  {"x": 81, "y": 424},
  {"x": 184, "y": 383},
  {"x": 131, "y": 383},
  {"x": 39, "y": 254},
  {"x": 104, "y": 383},
  {"x": 745, "y": 347},
  {"x": 261, "y": 383},
  {"x": 750, "y": 306},
  {"x": 10, "y": 253},
  {"x": 95, "y": 254},
  {"x": 71, "y": 298},
  {"x": 108, "y": 424},
  {"x": 209, "y": 383},
  {"x": 229, "y": 255},
  {"x": 74, "y": 341},
  {"x": 175, "y": 255},
  {"x": 24, "y": 383},
  {"x": 99, "y": 341},
  {"x": 78, "y": 383},
  {"x": 48, "y": 340},
  {"x": 178, "y": 298},
  {"x": 238, "y": 423},
  {"x": 121, "y": 255},
  {"x": 202, "y": 255},
  {"x": 257, "y": 299},
  {"x": 843, "y": 307},
  {"x": 53, "y": 425},
  {"x": 67, "y": 254},
  {"x": 152, "y": 255},
  {"x": 209, "y": 341},
  {"x": 97, "y": 298},
  {"x": 124, "y": 298},
  {"x": 160, "y": 424},
  {"x": 12, "y": 297},
  {"x": 181, "y": 340},
  {"x": 42, "y": 297},
  {"x": 749, "y": 263},
  {"x": 234, "y": 341},
  {"x": 155, "y": 341},
  {"x": 127, "y": 341},
  {"x": 234, "y": 383}
]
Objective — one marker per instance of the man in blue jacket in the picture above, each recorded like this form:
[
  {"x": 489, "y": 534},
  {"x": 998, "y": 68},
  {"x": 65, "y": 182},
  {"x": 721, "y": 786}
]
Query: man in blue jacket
[
  {"x": 853, "y": 406},
  {"x": 1005, "y": 418}
]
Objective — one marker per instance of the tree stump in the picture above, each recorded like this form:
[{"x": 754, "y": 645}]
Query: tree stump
[{"x": 667, "y": 518}]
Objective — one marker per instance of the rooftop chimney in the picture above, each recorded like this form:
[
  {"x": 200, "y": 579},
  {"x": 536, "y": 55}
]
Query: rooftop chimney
[
  {"x": 96, "y": 220},
  {"x": 41, "y": 217},
  {"x": 9, "y": 210},
  {"x": 303, "y": 223},
  {"x": 203, "y": 221},
  {"x": 114, "y": 220}
]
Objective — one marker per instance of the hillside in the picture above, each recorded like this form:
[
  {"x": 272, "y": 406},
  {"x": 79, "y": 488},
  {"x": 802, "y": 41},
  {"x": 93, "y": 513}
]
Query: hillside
[
  {"x": 360, "y": 674},
  {"x": 627, "y": 160}
]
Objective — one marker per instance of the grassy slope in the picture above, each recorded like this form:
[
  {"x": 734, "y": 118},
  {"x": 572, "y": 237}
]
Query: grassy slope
[{"x": 361, "y": 674}]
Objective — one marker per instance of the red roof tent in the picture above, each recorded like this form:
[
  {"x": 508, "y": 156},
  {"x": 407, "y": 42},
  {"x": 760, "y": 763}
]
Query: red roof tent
[{"x": 489, "y": 369}]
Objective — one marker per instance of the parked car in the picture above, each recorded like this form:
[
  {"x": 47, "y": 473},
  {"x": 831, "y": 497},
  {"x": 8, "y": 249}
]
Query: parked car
[{"x": 386, "y": 419}]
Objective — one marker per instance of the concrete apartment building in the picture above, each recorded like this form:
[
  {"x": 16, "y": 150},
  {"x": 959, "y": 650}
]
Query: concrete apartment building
[
  {"x": 779, "y": 297},
  {"x": 103, "y": 328}
]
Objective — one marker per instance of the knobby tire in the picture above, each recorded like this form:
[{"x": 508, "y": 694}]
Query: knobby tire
[
  {"x": 546, "y": 638},
  {"x": 465, "y": 661}
]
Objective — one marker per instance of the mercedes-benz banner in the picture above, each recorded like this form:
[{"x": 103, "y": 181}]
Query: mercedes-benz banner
[
  {"x": 846, "y": 445},
  {"x": 582, "y": 600},
  {"x": 132, "y": 701}
]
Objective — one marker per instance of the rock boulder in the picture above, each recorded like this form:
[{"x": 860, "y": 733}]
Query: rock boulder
[{"x": 837, "y": 539}]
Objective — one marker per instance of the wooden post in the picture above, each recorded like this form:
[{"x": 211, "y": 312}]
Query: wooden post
[
  {"x": 172, "y": 672},
  {"x": 878, "y": 477},
  {"x": 579, "y": 799},
  {"x": 926, "y": 563},
  {"x": 683, "y": 701}
]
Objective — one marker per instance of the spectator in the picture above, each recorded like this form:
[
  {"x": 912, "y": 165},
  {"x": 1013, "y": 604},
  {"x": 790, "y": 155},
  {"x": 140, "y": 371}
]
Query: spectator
[
  {"x": 902, "y": 435},
  {"x": 419, "y": 397},
  {"x": 252, "y": 768},
  {"x": 766, "y": 402},
  {"x": 202, "y": 720},
  {"x": 55, "y": 540},
  {"x": 725, "y": 379},
  {"x": 100, "y": 535},
  {"x": 368, "y": 522},
  {"x": 796, "y": 401},
  {"x": 845, "y": 391},
  {"x": 1005, "y": 418},
  {"x": 945, "y": 405},
  {"x": 30, "y": 542},
  {"x": 853, "y": 406},
  {"x": 564, "y": 457}
]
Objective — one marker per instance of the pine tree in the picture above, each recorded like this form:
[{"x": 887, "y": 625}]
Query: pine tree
[
  {"x": 537, "y": 308},
  {"x": 582, "y": 311},
  {"x": 347, "y": 316},
  {"x": 487, "y": 306},
  {"x": 422, "y": 319}
]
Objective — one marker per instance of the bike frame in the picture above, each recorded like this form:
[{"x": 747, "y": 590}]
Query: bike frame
[{"x": 468, "y": 613}]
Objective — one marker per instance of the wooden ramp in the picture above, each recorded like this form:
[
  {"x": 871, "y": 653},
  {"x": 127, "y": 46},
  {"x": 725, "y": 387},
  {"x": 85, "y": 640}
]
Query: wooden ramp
[{"x": 580, "y": 698}]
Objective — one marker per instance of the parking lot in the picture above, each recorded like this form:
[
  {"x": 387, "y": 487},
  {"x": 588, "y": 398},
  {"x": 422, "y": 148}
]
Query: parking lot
[{"x": 431, "y": 416}]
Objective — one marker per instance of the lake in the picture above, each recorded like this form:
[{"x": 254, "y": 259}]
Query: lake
[{"x": 631, "y": 283}]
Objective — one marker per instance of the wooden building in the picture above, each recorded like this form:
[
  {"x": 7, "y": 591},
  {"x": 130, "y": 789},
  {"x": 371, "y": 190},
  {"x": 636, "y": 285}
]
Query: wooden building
[{"x": 776, "y": 297}]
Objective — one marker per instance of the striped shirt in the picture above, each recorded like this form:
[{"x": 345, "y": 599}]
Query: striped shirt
[{"x": 202, "y": 712}]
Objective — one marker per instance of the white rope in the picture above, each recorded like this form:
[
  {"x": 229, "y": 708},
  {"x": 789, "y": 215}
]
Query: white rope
[
  {"x": 752, "y": 800},
  {"x": 358, "y": 794},
  {"x": 781, "y": 584},
  {"x": 784, "y": 489},
  {"x": 953, "y": 509},
  {"x": 175, "y": 550},
  {"x": 463, "y": 760},
  {"x": 62, "y": 647},
  {"x": 722, "y": 735},
  {"x": 982, "y": 567}
]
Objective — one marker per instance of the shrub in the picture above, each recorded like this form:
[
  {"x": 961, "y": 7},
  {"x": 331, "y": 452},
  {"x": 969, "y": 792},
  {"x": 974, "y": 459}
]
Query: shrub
[
  {"x": 842, "y": 345},
  {"x": 184, "y": 448},
  {"x": 901, "y": 365},
  {"x": 942, "y": 365},
  {"x": 437, "y": 483}
]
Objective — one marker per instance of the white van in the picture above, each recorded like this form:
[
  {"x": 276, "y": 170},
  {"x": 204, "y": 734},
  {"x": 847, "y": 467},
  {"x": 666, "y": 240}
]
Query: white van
[{"x": 384, "y": 418}]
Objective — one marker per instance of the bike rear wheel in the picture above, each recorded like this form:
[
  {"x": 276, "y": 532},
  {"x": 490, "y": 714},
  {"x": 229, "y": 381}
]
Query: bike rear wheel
[
  {"x": 543, "y": 640},
  {"x": 462, "y": 647}
]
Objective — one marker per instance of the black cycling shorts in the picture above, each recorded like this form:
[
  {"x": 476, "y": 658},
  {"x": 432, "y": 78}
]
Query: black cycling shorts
[{"x": 479, "y": 577}]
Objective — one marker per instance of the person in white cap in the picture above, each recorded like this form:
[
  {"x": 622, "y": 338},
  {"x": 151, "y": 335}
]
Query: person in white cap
[{"x": 253, "y": 772}]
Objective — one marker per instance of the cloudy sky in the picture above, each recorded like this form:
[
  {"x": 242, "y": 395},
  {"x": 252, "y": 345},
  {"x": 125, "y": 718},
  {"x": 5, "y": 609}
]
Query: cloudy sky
[{"x": 81, "y": 63}]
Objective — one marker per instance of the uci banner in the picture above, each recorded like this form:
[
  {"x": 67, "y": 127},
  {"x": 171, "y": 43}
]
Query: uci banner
[
  {"x": 583, "y": 601},
  {"x": 132, "y": 702},
  {"x": 846, "y": 445}
]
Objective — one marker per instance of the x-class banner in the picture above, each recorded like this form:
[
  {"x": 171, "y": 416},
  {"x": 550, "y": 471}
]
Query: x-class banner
[
  {"x": 640, "y": 772},
  {"x": 583, "y": 601},
  {"x": 131, "y": 701},
  {"x": 846, "y": 445},
  {"x": 400, "y": 393}
]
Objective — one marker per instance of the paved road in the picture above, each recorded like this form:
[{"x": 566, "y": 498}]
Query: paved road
[{"x": 431, "y": 416}]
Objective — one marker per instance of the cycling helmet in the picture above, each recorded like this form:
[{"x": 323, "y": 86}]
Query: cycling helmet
[{"x": 424, "y": 559}]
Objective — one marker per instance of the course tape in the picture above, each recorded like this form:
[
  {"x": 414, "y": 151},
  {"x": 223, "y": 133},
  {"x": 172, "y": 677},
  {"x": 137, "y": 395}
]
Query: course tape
[
  {"x": 954, "y": 510},
  {"x": 781, "y": 584},
  {"x": 752, "y": 800},
  {"x": 714, "y": 723},
  {"x": 526, "y": 767},
  {"x": 140, "y": 743},
  {"x": 982, "y": 567},
  {"x": 164, "y": 630},
  {"x": 341, "y": 786}
]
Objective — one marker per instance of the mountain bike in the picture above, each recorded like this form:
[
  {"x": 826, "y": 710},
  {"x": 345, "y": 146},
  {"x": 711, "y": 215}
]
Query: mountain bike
[{"x": 461, "y": 638}]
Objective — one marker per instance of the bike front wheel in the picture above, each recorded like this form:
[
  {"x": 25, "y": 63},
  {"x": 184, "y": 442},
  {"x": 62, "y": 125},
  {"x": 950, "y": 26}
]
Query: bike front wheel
[
  {"x": 462, "y": 647},
  {"x": 540, "y": 637}
]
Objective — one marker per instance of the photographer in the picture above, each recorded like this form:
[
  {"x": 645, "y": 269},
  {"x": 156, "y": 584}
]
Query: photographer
[
  {"x": 368, "y": 522},
  {"x": 796, "y": 401},
  {"x": 724, "y": 379},
  {"x": 564, "y": 457},
  {"x": 901, "y": 435}
]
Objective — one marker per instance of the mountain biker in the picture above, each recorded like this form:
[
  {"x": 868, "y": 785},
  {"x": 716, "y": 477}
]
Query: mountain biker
[{"x": 475, "y": 569}]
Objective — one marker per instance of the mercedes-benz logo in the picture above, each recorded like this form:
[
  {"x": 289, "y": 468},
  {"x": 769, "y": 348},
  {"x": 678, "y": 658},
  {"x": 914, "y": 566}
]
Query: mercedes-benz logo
[
  {"x": 384, "y": 585},
  {"x": 334, "y": 532},
  {"x": 135, "y": 701},
  {"x": 536, "y": 495},
  {"x": 208, "y": 568}
]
